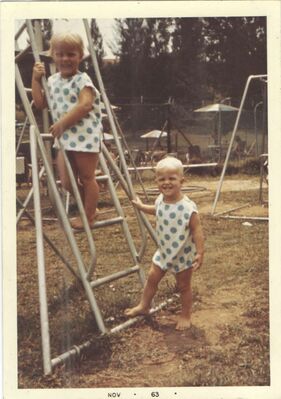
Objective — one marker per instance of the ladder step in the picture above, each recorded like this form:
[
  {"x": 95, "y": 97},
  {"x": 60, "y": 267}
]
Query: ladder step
[
  {"x": 101, "y": 177},
  {"x": 102, "y": 223},
  {"x": 115, "y": 276},
  {"x": 108, "y": 222},
  {"x": 98, "y": 178}
]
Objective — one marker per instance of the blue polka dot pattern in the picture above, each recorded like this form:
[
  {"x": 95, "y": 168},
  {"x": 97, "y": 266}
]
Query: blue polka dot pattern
[
  {"x": 64, "y": 94},
  {"x": 173, "y": 233},
  {"x": 187, "y": 250}
]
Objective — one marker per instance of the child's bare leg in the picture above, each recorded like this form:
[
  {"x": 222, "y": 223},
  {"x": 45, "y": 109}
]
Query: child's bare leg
[
  {"x": 154, "y": 276},
  {"x": 86, "y": 163},
  {"x": 184, "y": 285},
  {"x": 64, "y": 176}
]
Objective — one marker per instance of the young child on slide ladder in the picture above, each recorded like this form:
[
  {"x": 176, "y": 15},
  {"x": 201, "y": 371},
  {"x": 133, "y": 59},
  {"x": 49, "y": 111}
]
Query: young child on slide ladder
[{"x": 75, "y": 104}]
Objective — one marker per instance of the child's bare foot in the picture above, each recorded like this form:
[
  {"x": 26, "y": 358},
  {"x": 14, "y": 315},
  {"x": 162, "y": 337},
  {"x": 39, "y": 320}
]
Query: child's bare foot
[
  {"x": 77, "y": 224},
  {"x": 183, "y": 323},
  {"x": 136, "y": 311}
]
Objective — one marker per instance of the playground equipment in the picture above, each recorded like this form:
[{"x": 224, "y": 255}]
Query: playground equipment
[
  {"x": 83, "y": 272},
  {"x": 263, "y": 79}
]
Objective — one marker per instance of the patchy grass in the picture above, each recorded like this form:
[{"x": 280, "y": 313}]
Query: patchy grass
[{"x": 227, "y": 345}]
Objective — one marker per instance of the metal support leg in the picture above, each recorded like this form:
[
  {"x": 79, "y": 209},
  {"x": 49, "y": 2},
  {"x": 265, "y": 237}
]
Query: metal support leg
[{"x": 45, "y": 336}]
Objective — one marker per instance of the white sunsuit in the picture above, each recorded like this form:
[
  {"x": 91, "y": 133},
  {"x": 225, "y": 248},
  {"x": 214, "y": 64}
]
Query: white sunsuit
[
  {"x": 86, "y": 135},
  {"x": 176, "y": 249}
]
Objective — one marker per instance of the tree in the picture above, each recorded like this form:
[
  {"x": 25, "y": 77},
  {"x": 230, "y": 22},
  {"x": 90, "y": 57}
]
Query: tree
[
  {"x": 188, "y": 73},
  {"x": 97, "y": 40},
  {"x": 234, "y": 49},
  {"x": 142, "y": 42},
  {"x": 96, "y": 37}
]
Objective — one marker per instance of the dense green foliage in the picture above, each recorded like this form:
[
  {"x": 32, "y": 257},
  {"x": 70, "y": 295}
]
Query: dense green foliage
[{"x": 189, "y": 59}]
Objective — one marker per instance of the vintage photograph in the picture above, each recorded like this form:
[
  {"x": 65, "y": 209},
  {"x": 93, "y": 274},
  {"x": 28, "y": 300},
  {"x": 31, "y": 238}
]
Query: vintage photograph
[{"x": 143, "y": 149}]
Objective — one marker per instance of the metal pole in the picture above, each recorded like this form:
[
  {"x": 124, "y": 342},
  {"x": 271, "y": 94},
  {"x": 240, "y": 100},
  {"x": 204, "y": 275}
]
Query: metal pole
[
  {"x": 255, "y": 125},
  {"x": 29, "y": 196},
  {"x": 250, "y": 78},
  {"x": 45, "y": 336},
  {"x": 120, "y": 211},
  {"x": 60, "y": 207},
  {"x": 48, "y": 240},
  {"x": 78, "y": 349},
  {"x": 111, "y": 119},
  {"x": 264, "y": 116},
  {"x": 219, "y": 135}
]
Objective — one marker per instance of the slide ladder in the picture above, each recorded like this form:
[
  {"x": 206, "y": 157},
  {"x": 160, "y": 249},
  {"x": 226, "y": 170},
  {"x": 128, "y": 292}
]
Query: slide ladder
[{"x": 85, "y": 273}]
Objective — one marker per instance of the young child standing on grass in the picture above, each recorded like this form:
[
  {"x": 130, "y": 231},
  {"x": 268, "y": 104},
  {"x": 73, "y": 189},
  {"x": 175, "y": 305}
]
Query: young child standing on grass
[
  {"x": 180, "y": 240},
  {"x": 75, "y": 104}
]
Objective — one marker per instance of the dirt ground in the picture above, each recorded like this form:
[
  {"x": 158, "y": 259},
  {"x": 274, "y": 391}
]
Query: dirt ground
[{"x": 228, "y": 343}]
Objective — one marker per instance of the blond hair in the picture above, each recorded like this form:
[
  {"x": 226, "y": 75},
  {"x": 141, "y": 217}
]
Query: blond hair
[
  {"x": 68, "y": 38},
  {"x": 170, "y": 163}
]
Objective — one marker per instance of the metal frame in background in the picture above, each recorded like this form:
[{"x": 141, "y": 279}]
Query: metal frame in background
[{"x": 262, "y": 78}]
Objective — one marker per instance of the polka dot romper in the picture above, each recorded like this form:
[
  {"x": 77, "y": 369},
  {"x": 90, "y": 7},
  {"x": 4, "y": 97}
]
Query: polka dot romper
[
  {"x": 176, "y": 249},
  {"x": 64, "y": 93}
]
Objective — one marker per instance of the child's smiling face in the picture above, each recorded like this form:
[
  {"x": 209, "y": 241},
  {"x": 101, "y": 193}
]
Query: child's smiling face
[
  {"x": 67, "y": 59},
  {"x": 169, "y": 182}
]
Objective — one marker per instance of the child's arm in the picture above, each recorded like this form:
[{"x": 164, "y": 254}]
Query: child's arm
[
  {"x": 36, "y": 86},
  {"x": 198, "y": 238},
  {"x": 83, "y": 107},
  {"x": 151, "y": 209}
]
